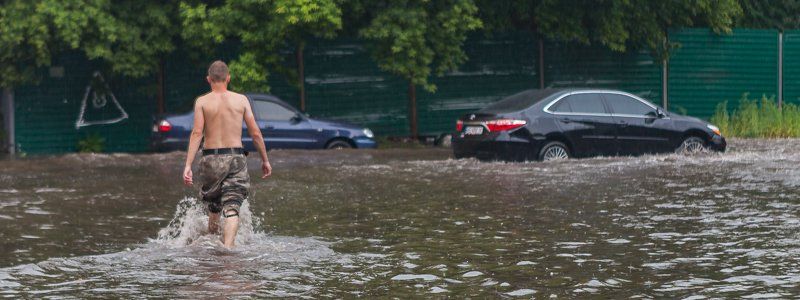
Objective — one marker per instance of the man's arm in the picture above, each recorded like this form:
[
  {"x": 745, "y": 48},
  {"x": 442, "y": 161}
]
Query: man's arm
[
  {"x": 194, "y": 141},
  {"x": 258, "y": 139}
]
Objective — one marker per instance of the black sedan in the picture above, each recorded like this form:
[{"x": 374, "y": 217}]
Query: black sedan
[{"x": 553, "y": 124}]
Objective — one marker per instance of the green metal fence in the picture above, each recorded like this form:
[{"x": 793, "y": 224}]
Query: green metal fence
[
  {"x": 569, "y": 65},
  {"x": 342, "y": 82},
  {"x": 46, "y": 114},
  {"x": 710, "y": 68},
  {"x": 498, "y": 66},
  {"x": 791, "y": 66}
]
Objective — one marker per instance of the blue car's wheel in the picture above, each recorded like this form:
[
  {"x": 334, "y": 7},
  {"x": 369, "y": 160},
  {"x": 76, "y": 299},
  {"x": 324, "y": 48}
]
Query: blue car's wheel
[{"x": 339, "y": 144}]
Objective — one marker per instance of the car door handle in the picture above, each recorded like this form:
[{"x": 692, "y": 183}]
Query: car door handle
[
  {"x": 623, "y": 123},
  {"x": 566, "y": 120},
  {"x": 270, "y": 127}
]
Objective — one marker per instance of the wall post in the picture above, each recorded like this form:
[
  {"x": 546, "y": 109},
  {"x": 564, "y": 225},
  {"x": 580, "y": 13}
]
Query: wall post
[
  {"x": 301, "y": 75},
  {"x": 541, "y": 63},
  {"x": 8, "y": 118},
  {"x": 160, "y": 90},
  {"x": 780, "y": 70},
  {"x": 664, "y": 85}
]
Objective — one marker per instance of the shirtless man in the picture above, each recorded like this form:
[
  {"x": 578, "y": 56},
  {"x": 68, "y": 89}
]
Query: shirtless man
[{"x": 224, "y": 180}]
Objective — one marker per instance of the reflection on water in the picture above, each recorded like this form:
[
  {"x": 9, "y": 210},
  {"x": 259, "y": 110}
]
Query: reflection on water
[{"x": 411, "y": 222}]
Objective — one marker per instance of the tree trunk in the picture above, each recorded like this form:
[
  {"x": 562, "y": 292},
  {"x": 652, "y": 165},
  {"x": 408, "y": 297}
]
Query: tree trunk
[
  {"x": 161, "y": 89},
  {"x": 412, "y": 109},
  {"x": 301, "y": 77}
]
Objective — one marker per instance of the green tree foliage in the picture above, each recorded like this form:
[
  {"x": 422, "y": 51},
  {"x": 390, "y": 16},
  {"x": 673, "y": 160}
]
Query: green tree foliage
[
  {"x": 415, "y": 38},
  {"x": 128, "y": 35},
  {"x": 772, "y": 14},
  {"x": 616, "y": 24},
  {"x": 26, "y": 41},
  {"x": 264, "y": 29}
]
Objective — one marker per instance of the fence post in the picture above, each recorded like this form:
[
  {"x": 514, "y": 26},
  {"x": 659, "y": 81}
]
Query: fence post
[
  {"x": 664, "y": 86},
  {"x": 160, "y": 90},
  {"x": 8, "y": 117},
  {"x": 780, "y": 70},
  {"x": 301, "y": 75},
  {"x": 541, "y": 63}
]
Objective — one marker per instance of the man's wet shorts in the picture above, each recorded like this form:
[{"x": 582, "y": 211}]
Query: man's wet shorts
[{"x": 225, "y": 182}]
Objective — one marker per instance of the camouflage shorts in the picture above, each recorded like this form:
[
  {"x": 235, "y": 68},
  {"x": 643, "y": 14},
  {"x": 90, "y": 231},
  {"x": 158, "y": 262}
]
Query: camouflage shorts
[{"x": 224, "y": 181}]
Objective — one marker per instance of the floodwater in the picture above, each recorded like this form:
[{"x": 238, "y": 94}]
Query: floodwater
[{"x": 410, "y": 223}]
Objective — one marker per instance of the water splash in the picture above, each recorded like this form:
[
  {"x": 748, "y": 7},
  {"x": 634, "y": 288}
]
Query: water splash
[{"x": 190, "y": 223}]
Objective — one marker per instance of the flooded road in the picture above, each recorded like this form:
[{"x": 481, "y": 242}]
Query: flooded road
[{"x": 405, "y": 223}]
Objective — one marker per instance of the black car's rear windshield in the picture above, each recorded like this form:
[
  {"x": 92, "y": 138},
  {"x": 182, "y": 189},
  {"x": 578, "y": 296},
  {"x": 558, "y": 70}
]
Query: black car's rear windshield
[{"x": 519, "y": 101}]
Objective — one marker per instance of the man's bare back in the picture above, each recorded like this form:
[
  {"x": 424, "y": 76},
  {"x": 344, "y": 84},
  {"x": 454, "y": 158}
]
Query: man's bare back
[{"x": 223, "y": 113}]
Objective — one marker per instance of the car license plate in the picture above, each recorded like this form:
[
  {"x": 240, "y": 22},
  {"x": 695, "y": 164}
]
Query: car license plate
[{"x": 473, "y": 130}]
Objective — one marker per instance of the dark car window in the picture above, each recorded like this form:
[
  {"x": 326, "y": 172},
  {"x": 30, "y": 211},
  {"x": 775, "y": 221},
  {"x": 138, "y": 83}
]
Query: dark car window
[
  {"x": 271, "y": 111},
  {"x": 519, "y": 101},
  {"x": 586, "y": 103},
  {"x": 561, "y": 106},
  {"x": 625, "y": 105}
]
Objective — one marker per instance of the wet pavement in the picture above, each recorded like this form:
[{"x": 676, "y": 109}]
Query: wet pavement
[{"x": 410, "y": 223}]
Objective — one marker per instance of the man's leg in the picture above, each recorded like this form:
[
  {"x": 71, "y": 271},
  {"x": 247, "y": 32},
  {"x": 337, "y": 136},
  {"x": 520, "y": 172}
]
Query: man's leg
[
  {"x": 234, "y": 191},
  {"x": 213, "y": 223},
  {"x": 231, "y": 227}
]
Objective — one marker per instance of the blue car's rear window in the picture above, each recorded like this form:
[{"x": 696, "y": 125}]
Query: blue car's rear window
[{"x": 519, "y": 101}]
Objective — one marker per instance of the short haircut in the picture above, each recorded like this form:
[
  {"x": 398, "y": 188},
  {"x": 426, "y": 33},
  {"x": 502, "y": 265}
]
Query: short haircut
[{"x": 218, "y": 71}]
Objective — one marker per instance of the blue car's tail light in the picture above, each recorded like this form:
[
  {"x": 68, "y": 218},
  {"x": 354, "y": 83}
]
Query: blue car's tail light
[{"x": 164, "y": 126}]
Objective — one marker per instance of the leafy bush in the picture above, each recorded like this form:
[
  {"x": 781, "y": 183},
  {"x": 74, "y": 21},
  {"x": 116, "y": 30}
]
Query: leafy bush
[
  {"x": 758, "y": 118},
  {"x": 92, "y": 143}
]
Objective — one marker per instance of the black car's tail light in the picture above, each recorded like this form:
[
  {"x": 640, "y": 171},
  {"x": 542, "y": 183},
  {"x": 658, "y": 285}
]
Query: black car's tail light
[
  {"x": 164, "y": 126},
  {"x": 504, "y": 124},
  {"x": 459, "y": 125}
]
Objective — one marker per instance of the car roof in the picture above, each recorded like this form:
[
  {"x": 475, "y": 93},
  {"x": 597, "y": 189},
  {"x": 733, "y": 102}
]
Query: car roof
[
  {"x": 555, "y": 92},
  {"x": 562, "y": 91},
  {"x": 270, "y": 97},
  {"x": 532, "y": 97}
]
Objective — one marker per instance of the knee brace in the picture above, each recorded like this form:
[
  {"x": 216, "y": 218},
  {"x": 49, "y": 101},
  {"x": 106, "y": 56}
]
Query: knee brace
[
  {"x": 230, "y": 212},
  {"x": 231, "y": 208}
]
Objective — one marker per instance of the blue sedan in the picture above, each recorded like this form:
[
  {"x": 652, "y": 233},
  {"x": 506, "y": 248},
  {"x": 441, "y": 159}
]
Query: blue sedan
[{"x": 283, "y": 127}]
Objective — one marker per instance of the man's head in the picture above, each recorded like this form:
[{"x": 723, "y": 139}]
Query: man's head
[{"x": 218, "y": 73}]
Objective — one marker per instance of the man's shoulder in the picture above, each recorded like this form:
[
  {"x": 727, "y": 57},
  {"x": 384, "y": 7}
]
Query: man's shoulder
[
  {"x": 238, "y": 96},
  {"x": 202, "y": 98}
]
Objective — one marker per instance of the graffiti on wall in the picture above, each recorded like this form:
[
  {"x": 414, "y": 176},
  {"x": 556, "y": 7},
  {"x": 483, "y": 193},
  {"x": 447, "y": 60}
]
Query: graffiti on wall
[{"x": 95, "y": 108}]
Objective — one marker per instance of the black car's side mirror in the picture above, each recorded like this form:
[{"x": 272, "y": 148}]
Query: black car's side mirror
[
  {"x": 657, "y": 114},
  {"x": 660, "y": 113},
  {"x": 296, "y": 119}
]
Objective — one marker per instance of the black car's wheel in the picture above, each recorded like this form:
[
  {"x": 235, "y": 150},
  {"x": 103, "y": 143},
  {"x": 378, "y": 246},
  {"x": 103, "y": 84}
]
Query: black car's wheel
[
  {"x": 554, "y": 151},
  {"x": 692, "y": 145},
  {"x": 338, "y": 144}
]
